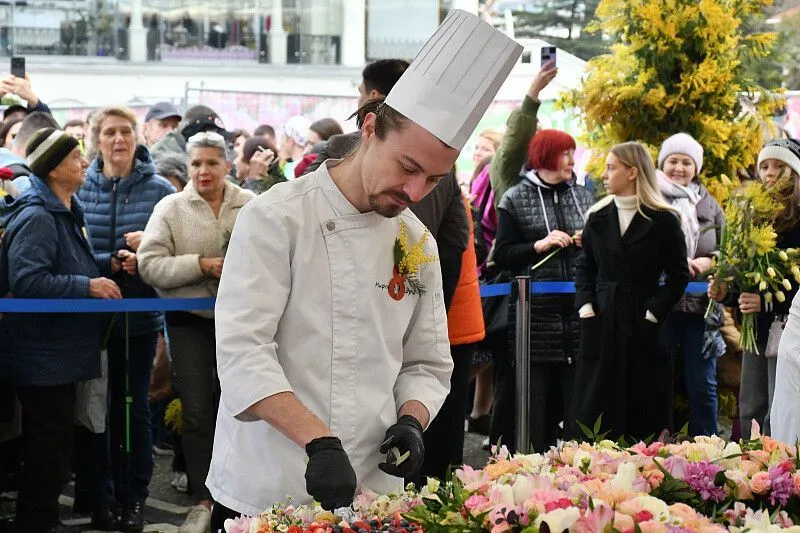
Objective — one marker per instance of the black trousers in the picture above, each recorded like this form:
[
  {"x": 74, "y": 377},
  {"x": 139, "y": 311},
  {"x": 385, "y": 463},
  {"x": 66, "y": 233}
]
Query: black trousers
[
  {"x": 551, "y": 388},
  {"x": 48, "y": 425},
  {"x": 219, "y": 514},
  {"x": 444, "y": 438}
]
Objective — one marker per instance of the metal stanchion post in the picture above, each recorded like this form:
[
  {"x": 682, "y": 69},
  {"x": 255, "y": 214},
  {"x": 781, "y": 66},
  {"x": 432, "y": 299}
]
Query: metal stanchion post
[{"x": 523, "y": 364}]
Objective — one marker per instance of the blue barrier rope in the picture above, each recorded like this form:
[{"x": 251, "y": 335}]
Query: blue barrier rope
[
  {"x": 129, "y": 305},
  {"x": 558, "y": 287},
  {"x": 137, "y": 305}
]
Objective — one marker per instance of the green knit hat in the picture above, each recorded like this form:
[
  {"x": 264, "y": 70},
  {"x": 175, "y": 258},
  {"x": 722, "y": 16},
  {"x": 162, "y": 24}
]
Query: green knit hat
[{"x": 47, "y": 148}]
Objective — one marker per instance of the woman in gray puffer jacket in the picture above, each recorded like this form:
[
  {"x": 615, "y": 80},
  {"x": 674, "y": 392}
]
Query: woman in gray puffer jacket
[
  {"x": 544, "y": 212},
  {"x": 681, "y": 159}
]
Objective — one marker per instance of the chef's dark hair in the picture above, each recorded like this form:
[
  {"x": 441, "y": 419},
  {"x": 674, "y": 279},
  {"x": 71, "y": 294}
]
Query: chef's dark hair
[{"x": 387, "y": 118}]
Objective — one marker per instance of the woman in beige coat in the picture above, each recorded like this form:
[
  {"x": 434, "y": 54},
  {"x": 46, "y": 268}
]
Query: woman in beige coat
[{"x": 182, "y": 256}]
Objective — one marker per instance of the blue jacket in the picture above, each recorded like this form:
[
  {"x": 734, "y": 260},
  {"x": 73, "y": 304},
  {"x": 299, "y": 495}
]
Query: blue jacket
[
  {"x": 49, "y": 256},
  {"x": 114, "y": 208}
]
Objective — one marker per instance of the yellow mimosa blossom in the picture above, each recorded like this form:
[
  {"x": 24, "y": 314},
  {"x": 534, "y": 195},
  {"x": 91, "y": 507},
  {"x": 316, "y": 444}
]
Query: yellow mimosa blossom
[
  {"x": 677, "y": 62},
  {"x": 763, "y": 240},
  {"x": 413, "y": 257}
]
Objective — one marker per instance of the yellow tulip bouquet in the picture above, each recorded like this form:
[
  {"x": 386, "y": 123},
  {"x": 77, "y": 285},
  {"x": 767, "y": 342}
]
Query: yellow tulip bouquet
[{"x": 749, "y": 259}]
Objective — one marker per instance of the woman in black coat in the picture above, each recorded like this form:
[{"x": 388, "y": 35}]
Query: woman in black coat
[{"x": 631, "y": 239}]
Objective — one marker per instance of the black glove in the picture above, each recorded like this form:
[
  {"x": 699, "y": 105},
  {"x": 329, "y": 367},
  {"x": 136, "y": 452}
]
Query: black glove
[
  {"x": 330, "y": 478},
  {"x": 406, "y": 436}
]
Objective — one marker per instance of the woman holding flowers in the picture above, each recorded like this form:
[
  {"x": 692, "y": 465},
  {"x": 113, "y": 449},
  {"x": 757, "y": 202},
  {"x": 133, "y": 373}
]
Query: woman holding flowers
[
  {"x": 631, "y": 239},
  {"x": 539, "y": 225},
  {"x": 539, "y": 214},
  {"x": 680, "y": 160},
  {"x": 182, "y": 256},
  {"x": 778, "y": 166}
]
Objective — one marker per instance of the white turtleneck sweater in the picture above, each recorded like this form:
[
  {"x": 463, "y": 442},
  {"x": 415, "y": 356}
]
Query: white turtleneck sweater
[{"x": 627, "y": 207}]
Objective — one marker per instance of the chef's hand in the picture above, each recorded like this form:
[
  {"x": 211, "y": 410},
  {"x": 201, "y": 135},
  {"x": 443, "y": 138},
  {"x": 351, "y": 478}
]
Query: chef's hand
[
  {"x": 330, "y": 478},
  {"x": 406, "y": 436}
]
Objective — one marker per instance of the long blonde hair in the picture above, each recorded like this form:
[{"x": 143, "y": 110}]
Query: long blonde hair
[{"x": 633, "y": 154}]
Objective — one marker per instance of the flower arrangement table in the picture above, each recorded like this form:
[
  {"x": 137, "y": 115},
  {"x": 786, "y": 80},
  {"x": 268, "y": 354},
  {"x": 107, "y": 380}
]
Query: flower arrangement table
[{"x": 702, "y": 484}]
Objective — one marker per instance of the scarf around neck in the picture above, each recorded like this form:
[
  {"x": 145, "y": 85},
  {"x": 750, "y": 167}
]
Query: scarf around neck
[{"x": 685, "y": 200}]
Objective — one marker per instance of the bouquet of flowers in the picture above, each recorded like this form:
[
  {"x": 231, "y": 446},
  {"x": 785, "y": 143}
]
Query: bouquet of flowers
[
  {"x": 749, "y": 260},
  {"x": 371, "y": 512}
]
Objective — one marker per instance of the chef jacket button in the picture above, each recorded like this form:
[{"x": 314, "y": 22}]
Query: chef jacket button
[{"x": 331, "y": 226}]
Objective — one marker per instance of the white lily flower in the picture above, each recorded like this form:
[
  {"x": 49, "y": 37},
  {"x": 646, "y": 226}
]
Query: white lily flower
[{"x": 559, "y": 519}]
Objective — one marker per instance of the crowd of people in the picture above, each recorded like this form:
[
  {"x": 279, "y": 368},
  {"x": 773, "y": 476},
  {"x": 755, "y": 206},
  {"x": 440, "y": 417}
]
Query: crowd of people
[{"x": 111, "y": 208}]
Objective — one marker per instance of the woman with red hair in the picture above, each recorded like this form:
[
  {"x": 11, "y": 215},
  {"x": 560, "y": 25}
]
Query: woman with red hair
[{"x": 544, "y": 212}]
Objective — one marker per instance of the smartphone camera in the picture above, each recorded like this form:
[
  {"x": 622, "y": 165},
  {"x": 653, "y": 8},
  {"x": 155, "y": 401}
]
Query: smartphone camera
[
  {"x": 548, "y": 54},
  {"x": 18, "y": 67}
]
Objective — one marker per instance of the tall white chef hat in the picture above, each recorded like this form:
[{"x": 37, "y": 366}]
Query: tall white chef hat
[{"x": 452, "y": 81}]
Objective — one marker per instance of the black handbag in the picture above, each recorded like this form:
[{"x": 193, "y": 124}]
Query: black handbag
[{"x": 496, "y": 308}]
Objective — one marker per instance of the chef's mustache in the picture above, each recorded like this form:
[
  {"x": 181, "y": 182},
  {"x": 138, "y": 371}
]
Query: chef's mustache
[{"x": 403, "y": 197}]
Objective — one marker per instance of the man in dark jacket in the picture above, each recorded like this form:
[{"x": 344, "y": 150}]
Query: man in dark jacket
[
  {"x": 197, "y": 119},
  {"x": 442, "y": 211}
]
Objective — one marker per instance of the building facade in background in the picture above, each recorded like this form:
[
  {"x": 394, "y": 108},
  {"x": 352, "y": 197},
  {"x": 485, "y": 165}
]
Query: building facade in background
[{"x": 317, "y": 32}]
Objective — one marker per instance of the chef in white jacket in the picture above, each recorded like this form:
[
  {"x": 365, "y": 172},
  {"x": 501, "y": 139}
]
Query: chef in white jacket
[
  {"x": 332, "y": 344},
  {"x": 785, "y": 413}
]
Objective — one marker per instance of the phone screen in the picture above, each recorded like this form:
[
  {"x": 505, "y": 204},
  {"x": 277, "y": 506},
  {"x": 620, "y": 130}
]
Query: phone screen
[
  {"x": 18, "y": 67},
  {"x": 548, "y": 54}
]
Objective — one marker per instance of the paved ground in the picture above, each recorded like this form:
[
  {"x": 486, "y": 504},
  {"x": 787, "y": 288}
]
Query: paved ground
[{"x": 166, "y": 508}]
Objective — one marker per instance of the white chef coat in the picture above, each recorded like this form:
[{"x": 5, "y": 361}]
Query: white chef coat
[
  {"x": 784, "y": 419},
  {"x": 303, "y": 307}
]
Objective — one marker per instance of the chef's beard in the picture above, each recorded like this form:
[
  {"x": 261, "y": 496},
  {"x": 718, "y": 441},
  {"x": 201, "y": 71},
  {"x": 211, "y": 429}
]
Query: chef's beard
[{"x": 387, "y": 209}]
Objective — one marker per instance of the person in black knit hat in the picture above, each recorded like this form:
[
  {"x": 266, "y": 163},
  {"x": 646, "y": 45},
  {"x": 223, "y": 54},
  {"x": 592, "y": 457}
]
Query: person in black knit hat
[{"x": 43, "y": 356}]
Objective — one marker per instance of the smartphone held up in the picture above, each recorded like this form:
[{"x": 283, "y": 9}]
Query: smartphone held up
[
  {"x": 18, "y": 67},
  {"x": 549, "y": 55}
]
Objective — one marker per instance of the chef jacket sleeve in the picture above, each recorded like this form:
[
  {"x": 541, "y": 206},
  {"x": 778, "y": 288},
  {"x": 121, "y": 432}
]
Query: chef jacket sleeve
[
  {"x": 253, "y": 292},
  {"x": 427, "y": 365}
]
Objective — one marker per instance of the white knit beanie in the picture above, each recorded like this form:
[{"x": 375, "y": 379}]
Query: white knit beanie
[
  {"x": 682, "y": 143},
  {"x": 786, "y": 150}
]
